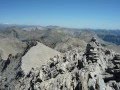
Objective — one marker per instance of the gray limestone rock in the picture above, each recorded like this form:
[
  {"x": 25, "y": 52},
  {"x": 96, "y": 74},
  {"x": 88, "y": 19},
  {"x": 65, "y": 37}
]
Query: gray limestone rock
[{"x": 97, "y": 68}]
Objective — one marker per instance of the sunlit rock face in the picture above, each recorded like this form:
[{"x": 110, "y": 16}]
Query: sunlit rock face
[
  {"x": 37, "y": 56},
  {"x": 95, "y": 68}
]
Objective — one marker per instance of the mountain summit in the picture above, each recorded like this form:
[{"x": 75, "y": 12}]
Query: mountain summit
[{"x": 95, "y": 68}]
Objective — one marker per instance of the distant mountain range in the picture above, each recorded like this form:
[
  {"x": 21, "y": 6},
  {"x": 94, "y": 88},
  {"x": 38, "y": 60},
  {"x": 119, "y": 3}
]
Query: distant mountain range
[{"x": 112, "y": 36}]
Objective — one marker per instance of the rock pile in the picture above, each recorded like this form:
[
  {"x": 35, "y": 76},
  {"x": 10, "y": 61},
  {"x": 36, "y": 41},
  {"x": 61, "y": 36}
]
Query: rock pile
[
  {"x": 95, "y": 68},
  {"x": 92, "y": 51}
]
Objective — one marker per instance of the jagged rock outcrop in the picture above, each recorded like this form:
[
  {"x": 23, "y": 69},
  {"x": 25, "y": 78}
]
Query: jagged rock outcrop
[
  {"x": 10, "y": 69},
  {"x": 96, "y": 68}
]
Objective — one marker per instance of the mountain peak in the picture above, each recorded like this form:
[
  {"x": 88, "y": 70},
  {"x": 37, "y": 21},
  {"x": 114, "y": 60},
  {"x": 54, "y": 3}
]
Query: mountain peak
[{"x": 95, "y": 68}]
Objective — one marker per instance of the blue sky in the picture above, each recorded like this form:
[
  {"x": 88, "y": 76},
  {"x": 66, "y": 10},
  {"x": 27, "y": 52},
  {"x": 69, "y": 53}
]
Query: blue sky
[{"x": 68, "y": 13}]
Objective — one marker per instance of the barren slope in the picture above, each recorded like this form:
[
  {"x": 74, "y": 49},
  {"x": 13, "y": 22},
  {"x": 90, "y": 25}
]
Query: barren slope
[
  {"x": 10, "y": 46},
  {"x": 37, "y": 56}
]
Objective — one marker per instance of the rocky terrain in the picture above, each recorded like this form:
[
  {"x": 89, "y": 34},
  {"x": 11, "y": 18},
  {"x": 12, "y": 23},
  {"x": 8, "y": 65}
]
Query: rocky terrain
[
  {"x": 11, "y": 46},
  {"x": 57, "y": 58},
  {"x": 92, "y": 68}
]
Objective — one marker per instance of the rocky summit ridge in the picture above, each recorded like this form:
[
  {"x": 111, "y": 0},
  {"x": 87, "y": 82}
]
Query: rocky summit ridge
[{"x": 95, "y": 68}]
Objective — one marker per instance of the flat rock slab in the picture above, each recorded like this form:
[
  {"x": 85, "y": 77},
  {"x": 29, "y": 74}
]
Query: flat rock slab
[{"x": 37, "y": 56}]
